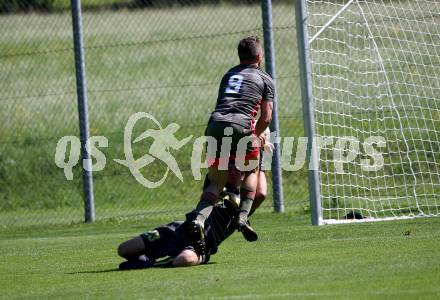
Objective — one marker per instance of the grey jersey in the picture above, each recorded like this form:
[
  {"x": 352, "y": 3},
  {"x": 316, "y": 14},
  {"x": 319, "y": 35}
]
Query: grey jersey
[{"x": 240, "y": 94}]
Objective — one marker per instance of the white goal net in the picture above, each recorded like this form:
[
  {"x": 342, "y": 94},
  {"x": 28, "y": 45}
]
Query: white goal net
[{"x": 376, "y": 85}]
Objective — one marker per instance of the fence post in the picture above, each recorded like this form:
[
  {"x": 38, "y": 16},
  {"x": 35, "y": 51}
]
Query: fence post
[
  {"x": 269, "y": 49},
  {"x": 83, "y": 113},
  {"x": 308, "y": 109}
]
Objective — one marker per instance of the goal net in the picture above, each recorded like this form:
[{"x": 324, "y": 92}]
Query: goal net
[{"x": 376, "y": 86}]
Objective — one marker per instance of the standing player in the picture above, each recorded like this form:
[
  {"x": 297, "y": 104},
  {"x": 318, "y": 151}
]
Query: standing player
[
  {"x": 244, "y": 89},
  {"x": 235, "y": 177}
]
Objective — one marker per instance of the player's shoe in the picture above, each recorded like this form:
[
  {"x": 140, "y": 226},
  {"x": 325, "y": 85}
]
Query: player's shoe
[
  {"x": 248, "y": 232},
  {"x": 135, "y": 265},
  {"x": 197, "y": 237}
]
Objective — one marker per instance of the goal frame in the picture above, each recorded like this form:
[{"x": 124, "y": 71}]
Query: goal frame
[{"x": 308, "y": 104}]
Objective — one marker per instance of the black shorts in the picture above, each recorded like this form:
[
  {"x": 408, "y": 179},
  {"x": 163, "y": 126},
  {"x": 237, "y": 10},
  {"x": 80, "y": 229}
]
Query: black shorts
[
  {"x": 167, "y": 240},
  {"x": 217, "y": 131}
]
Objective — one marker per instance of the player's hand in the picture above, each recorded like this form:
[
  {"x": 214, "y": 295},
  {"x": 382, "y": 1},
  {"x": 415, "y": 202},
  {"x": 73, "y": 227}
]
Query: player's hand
[
  {"x": 265, "y": 143},
  {"x": 269, "y": 147},
  {"x": 263, "y": 140}
]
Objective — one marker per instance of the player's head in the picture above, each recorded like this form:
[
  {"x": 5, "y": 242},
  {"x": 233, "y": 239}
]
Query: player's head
[{"x": 250, "y": 51}]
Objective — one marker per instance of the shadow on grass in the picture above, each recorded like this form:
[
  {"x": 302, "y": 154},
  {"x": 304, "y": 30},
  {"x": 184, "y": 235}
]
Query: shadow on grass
[
  {"x": 94, "y": 271},
  {"x": 117, "y": 270}
]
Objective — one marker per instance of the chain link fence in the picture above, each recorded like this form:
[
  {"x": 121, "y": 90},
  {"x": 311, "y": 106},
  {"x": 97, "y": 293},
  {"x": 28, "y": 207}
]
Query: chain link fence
[{"x": 164, "y": 58}]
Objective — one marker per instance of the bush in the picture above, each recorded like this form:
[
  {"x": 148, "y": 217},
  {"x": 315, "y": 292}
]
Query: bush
[
  {"x": 13, "y": 6},
  {"x": 7, "y": 6}
]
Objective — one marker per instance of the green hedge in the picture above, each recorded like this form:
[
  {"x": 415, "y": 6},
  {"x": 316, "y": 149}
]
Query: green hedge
[
  {"x": 13, "y": 6},
  {"x": 25, "y": 5}
]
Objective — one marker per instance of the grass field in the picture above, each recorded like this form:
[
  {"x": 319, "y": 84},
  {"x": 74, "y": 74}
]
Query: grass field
[
  {"x": 168, "y": 63},
  {"x": 291, "y": 260}
]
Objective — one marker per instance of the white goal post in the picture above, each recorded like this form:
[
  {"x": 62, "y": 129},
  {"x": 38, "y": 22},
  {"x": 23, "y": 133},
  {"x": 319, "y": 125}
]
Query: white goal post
[{"x": 370, "y": 80}]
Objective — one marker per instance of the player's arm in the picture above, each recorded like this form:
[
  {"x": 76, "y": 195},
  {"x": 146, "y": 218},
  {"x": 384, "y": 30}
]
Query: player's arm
[
  {"x": 265, "y": 117},
  {"x": 268, "y": 97}
]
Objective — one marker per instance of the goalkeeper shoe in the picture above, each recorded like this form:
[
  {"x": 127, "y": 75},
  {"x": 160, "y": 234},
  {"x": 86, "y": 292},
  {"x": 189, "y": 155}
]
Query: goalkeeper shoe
[
  {"x": 248, "y": 232},
  {"x": 135, "y": 264},
  {"x": 197, "y": 237}
]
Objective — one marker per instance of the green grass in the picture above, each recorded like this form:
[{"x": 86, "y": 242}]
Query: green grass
[
  {"x": 292, "y": 259},
  {"x": 168, "y": 62}
]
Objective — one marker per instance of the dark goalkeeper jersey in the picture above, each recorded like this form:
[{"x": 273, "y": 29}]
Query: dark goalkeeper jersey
[
  {"x": 240, "y": 94},
  {"x": 219, "y": 225}
]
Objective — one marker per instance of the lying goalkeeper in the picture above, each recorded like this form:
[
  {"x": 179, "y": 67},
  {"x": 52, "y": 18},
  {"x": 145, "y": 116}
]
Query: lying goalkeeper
[{"x": 173, "y": 244}]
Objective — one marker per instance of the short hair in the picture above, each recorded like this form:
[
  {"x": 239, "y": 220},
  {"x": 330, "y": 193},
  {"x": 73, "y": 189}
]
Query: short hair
[{"x": 249, "y": 48}]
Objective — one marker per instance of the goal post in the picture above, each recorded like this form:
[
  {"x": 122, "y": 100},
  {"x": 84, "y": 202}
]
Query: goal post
[
  {"x": 370, "y": 73},
  {"x": 308, "y": 109}
]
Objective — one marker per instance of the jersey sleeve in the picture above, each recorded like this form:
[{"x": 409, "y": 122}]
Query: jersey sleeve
[{"x": 269, "y": 90}]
